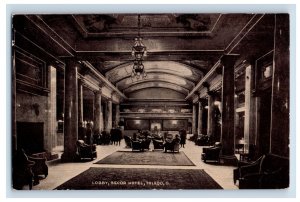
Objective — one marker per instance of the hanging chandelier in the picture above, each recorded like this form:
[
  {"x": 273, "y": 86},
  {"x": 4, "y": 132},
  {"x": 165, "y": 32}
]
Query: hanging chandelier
[{"x": 139, "y": 50}]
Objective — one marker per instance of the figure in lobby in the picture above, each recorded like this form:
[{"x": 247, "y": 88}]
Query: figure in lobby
[
  {"x": 89, "y": 133},
  {"x": 134, "y": 137},
  {"x": 81, "y": 131},
  {"x": 182, "y": 134}
]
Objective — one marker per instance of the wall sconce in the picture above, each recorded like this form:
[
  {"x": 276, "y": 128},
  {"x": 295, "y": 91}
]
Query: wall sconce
[
  {"x": 138, "y": 122},
  {"x": 174, "y": 122},
  {"x": 36, "y": 108},
  {"x": 217, "y": 103},
  {"x": 206, "y": 85}
]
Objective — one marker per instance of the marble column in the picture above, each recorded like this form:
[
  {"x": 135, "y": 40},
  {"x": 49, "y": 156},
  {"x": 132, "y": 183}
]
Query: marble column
[
  {"x": 227, "y": 135},
  {"x": 210, "y": 115},
  {"x": 194, "y": 121},
  {"x": 51, "y": 135},
  {"x": 109, "y": 115},
  {"x": 80, "y": 101},
  {"x": 280, "y": 114},
  {"x": 117, "y": 114},
  {"x": 97, "y": 117},
  {"x": 71, "y": 112},
  {"x": 200, "y": 118},
  {"x": 248, "y": 106}
]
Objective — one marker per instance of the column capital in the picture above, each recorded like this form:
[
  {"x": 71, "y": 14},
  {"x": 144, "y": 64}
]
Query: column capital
[
  {"x": 229, "y": 60},
  {"x": 99, "y": 91},
  {"x": 101, "y": 84},
  {"x": 211, "y": 93},
  {"x": 202, "y": 101},
  {"x": 81, "y": 80},
  {"x": 113, "y": 93}
]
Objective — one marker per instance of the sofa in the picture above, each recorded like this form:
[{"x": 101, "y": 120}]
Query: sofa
[{"x": 270, "y": 171}]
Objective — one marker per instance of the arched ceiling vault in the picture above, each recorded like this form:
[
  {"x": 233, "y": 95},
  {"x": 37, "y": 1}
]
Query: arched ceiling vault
[
  {"x": 155, "y": 77},
  {"x": 157, "y": 84},
  {"x": 172, "y": 72},
  {"x": 171, "y": 67}
]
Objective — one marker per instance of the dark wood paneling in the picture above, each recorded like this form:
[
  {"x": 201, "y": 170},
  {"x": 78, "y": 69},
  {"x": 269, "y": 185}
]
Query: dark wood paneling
[
  {"x": 136, "y": 124},
  {"x": 175, "y": 125}
]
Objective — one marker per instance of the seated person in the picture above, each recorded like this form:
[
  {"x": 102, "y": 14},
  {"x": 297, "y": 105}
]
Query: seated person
[
  {"x": 170, "y": 142},
  {"x": 141, "y": 136},
  {"x": 136, "y": 143},
  {"x": 157, "y": 136},
  {"x": 134, "y": 137}
]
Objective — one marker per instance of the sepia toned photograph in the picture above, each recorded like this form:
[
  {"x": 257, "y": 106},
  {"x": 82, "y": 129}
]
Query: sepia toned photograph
[{"x": 150, "y": 101}]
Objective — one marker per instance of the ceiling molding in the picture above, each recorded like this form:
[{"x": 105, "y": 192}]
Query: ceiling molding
[
  {"x": 238, "y": 38},
  {"x": 102, "y": 78},
  {"x": 130, "y": 31},
  {"x": 42, "y": 26},
  {"x": 244, "y": 31},
  {"x": 208, "y": 75}
]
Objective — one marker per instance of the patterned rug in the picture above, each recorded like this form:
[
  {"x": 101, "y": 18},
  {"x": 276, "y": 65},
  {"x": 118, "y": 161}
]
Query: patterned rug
[
  {"x": 96, "y": 178},
  {"x": 147, "y": 158}
]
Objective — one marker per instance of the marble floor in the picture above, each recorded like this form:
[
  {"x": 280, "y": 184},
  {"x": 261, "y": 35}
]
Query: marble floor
[{"x": 60, "y": 172}]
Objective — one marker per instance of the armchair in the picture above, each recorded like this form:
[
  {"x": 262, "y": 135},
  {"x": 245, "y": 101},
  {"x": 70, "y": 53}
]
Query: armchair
[
  {"x": 212, "y": 153},
  {"x": 237, "y": 171},
  {"x": 136, "y": 145},
  {"x": 146, "y": 143},
  {"x": 203, "y": 140},
  {"x": 172, "y": 145},
  {"x": 127, "y": 141},
  {"x": 85, "y": 150},
  {"x": 158, "y": 144},
  {"x": 268, "y": 172},
  {"x": 39, "y": 168},
  {"x": 22, "y": 170}
]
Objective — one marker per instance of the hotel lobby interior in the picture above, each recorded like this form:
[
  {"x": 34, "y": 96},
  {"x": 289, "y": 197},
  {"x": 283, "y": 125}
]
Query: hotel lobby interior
[{"x": 150, "y": 101}]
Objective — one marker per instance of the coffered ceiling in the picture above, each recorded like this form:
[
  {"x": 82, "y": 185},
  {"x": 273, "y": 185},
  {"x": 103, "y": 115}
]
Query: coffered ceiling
[{"x": 181, "y": 48}]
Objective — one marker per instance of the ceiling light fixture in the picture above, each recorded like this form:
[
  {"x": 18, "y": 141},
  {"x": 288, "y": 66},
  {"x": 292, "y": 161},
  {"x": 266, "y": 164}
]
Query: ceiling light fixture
[{"x": 139, "y": 50}]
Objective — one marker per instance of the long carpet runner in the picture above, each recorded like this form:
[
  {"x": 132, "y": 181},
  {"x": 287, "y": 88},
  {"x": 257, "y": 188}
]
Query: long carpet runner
[
  {"x": 96, "y": 178},
  {"x": 147, "y": 158}
]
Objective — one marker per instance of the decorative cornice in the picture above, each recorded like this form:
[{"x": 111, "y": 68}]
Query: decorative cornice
[
  {"x": 103, "y": 79},
  {"x": 204, "y": 79}
]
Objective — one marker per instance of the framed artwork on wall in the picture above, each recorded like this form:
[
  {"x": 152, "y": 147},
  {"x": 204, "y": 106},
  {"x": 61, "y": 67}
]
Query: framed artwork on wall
[{"x": 264, "y": 71}]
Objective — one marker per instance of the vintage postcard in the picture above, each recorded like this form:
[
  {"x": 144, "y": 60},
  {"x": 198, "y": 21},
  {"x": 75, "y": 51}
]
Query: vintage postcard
[{"x": 150, "y": 101}]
